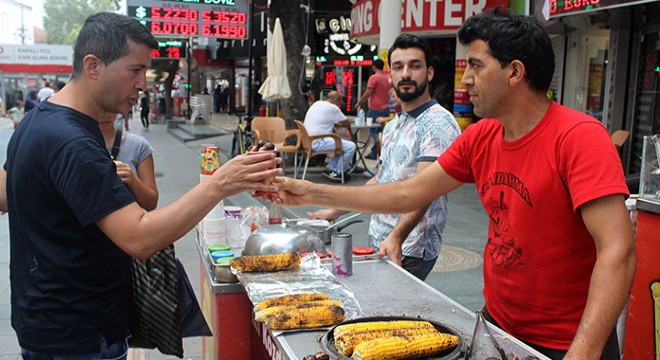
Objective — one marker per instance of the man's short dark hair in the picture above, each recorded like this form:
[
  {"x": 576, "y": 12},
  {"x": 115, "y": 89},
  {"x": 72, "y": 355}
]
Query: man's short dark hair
[
  {"x": 379, "y": 64},
  {"x": 60, "y": 85},
  {"x": 105, "y": 35},
  {"x": 408, "y": 41},
  {"x": 514, "y": 37}
]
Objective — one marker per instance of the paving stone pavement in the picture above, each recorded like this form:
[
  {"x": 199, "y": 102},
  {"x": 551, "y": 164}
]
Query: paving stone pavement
[{"x": 458, "y": 273}]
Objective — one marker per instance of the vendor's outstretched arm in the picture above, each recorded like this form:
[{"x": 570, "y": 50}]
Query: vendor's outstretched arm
[{"x": 397, "y": 197}]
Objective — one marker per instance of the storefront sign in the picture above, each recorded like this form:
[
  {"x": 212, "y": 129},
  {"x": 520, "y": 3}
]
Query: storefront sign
[
  {"x": 36, "y": 54},
  {"x": 570, "y": 7},
  {"x": 47, "y": 59},
  {"x": 420, "y": 15},
  {"x": 226, "y": 19},
  {"x": 335, "y": 45}
]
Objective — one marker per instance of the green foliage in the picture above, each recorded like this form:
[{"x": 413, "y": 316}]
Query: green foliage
[{"x": 64, "y": 18}]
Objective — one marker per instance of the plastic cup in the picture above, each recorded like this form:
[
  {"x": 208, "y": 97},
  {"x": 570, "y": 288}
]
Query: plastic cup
[{"x": 370, "y": 121}]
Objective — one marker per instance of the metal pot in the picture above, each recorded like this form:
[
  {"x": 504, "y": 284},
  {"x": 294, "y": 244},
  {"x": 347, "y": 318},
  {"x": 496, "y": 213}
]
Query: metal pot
[
  {"x": 323, "y": 228},
  {"x": 275, "y": 239}
]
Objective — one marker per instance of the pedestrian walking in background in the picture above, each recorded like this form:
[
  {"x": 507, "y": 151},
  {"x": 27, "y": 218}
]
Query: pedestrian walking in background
[
  {"x": 376, "y": 96},
  {"x": 224, "y": 98},
  {"x": 216, "y": 98},
  {"x": 560, "y": 258},
  {"x": 69, "y": 211},
  {"x": 411, "y": 142},
  {"x": 145, "y": 106}
]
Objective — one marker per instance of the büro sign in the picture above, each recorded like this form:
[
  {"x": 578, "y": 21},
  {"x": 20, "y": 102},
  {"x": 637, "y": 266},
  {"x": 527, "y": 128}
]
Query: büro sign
[{"x": 419, "y": 15}]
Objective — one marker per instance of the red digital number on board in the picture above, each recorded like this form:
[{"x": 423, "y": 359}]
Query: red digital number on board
[
  {"x": 173, "y": 52},
  {"x": 158, "y": 13},
  {"x": 239, "y": 32},
  {"x": 173, "y": 28},
  {"x": 330, "y": 78},
  {"x": 223, "y": 17}
]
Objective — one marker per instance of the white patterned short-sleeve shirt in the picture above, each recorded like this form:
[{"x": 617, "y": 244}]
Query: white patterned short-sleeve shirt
[{"x": 419, "y": 135}]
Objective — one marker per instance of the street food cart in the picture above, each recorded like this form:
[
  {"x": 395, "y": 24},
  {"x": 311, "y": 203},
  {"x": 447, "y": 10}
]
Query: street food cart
[
  {"x": 643, "y": 322},
  {"x": 382, "y": 289}
]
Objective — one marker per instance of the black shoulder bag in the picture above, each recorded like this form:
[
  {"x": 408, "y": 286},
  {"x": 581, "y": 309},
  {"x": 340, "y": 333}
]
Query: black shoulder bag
[{"x": 115, "y": 145}]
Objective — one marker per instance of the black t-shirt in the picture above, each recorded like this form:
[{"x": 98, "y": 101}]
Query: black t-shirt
[{"x": 69, "y": 282}]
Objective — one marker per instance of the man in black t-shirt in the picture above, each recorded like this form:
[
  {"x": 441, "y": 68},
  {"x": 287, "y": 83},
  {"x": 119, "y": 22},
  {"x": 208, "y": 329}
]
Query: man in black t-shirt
[{"x": 69, "y": 213}]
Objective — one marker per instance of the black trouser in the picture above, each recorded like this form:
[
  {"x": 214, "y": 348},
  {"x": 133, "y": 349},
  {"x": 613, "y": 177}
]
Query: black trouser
[
  {"x": 417, "y": 266},
  {"x": 144, "y": 117},
  {"x": 611, "y": 351}
]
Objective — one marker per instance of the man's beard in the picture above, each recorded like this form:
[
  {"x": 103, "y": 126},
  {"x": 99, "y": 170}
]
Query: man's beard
[{"x": 410, "y": 96}]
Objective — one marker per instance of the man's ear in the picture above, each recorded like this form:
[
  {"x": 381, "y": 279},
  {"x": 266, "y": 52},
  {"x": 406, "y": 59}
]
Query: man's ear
[
  {"x": 517, "y": 72},
  {"x": 430, "y": 72},
  {"x": 92, "y": 66}
]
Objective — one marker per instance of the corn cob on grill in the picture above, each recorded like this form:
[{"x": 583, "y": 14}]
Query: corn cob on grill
[
  {"x": 289, "y": 300},
  {"x": 263, "y": 314},
  {"x": 305, "y": 318},
  {"x": 379, "y": 325},
  {"x": 266, "y": 263},
  {"x": 346, "y": 343},
  {"x": 399, "y": 348}
]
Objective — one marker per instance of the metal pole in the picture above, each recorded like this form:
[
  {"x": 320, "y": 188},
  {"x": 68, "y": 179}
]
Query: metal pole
[
  {"x": 188, "y": 82},
  {"x": 249, "y": 77}
]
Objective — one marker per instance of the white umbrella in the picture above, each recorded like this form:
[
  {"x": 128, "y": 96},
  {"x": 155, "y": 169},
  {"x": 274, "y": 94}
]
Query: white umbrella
[{"x": 276, "y": 85}]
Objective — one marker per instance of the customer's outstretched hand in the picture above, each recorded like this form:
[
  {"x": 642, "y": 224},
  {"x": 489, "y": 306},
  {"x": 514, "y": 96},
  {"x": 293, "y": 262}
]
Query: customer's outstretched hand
[{"x": 248, "y": 172}]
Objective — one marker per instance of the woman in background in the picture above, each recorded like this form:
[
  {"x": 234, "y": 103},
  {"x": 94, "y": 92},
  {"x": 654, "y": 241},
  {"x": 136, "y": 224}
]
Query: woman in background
[{"x": 135, "y": 163}]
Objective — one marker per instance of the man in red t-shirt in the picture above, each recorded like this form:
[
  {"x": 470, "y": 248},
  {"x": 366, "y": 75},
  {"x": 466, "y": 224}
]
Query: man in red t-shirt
[
  {"x": 560, "y": 258},
  {"x": 377, "y": 93}
]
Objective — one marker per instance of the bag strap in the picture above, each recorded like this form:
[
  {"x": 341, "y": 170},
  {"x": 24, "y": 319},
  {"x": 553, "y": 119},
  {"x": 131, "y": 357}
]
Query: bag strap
[{"x": 115, "y": 145}]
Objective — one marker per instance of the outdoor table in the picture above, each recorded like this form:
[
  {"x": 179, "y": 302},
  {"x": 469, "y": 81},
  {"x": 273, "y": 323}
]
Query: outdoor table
[
  {"x": 361, "y": 146},
  {"x": 381, "y": 288}
]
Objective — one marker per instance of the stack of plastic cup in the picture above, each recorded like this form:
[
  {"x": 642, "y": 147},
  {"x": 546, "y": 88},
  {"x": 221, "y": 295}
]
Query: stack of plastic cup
[{"x": 214, "y": 227}]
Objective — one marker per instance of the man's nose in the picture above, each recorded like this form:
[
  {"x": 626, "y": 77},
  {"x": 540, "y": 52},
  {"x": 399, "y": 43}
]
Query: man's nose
[{"x": 142, "y": 84}]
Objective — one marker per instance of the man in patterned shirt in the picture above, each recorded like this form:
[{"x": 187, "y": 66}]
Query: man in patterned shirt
[{"x": 411, "y": 142}]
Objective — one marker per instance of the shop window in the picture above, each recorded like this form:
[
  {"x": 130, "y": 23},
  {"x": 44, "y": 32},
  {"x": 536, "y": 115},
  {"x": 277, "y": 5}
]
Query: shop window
[
  {"x": 587, "y": 64},
  {"x": 647, "y": 106}
]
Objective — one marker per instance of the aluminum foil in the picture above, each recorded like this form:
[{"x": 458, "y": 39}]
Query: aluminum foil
[{"x": 311, "y": 276}]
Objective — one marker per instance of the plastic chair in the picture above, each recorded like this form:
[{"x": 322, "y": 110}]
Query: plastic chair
[
  {"x": 274, "y": 130},
  {"x": 619, "y": 138},
  {"x": 307, "y": 140}
]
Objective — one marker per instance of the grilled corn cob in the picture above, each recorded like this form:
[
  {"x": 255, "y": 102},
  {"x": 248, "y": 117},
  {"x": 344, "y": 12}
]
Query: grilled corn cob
[
  {"x": 260, "y": 316},
  {"x": 305, "y": 318},
  {"x": 346, "y": 343},
  {"x": 266, "y": 263},
  {"x": 399, "y": 348},
  {"x": 289, "y": 300},
  {"x": 379, "y": 325}
]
